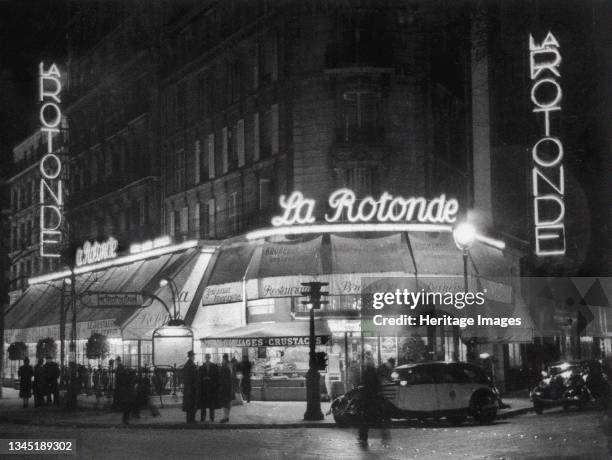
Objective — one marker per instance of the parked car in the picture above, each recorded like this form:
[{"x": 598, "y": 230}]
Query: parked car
[
  {"x": 428, "y": 390},
  {"x": 570, "y": 383}
]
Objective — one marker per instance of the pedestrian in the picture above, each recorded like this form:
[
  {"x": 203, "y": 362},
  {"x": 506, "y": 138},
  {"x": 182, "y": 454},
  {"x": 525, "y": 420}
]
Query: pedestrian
[
  {"x": 235, "y": 383},
  {"x": 25, "y": 374},
  {"x": 125, "y": 393},
  {"x": 190, "y": 387},
  {"x": 371, "y": 408},
  {"x": 226, "y": 388},
  {"x": 143, "y": 394},
  {"x": 245, "y": 368},
  {"x": 52, "y": 374},
  {"x": 208, "y": 379},
  {"x": 384, "y": 370},
  {"x": 40, "y": 383}
]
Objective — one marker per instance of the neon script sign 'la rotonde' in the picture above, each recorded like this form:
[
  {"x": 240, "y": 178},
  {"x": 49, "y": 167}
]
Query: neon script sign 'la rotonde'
[
  {"x": 387, "y": 208},
  {"x": 547, "y": 178},
  {"x": 51, "y": 196}
]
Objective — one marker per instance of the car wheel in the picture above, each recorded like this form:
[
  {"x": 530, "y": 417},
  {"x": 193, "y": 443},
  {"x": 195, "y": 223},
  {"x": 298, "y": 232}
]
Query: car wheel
[
  {"x": 458, "y": 420},
  {"x": 484, "y": 412},
  {"x": 341, "y": 421},
  {"x": 538, "y": 408}
]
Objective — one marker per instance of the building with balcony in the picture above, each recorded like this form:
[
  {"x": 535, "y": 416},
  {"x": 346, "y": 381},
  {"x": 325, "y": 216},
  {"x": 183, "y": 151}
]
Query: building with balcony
[
  {"x": 24, "y": 224},
  {"x": 112, "y": 113}
]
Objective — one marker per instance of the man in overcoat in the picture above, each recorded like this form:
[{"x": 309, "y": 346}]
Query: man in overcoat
[
  {"x": 25, "y": 374},
  {"x": 208, "y": 378},
  {"x": 190, "y": 387}
]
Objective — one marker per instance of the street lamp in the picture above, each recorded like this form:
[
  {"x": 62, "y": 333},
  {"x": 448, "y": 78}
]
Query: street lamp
[
  {"x": 313, "y": 378},
  {"x": 464, "y": 235},
  {"x": 175, "y": 320}
]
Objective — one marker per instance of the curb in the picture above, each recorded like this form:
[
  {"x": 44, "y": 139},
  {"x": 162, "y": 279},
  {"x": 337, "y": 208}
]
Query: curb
[{"x": 209, "y": 426}]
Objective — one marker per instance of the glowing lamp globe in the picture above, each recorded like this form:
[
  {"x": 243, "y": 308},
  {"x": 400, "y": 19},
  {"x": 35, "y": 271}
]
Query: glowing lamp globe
[{"x": 464, "y": 235}]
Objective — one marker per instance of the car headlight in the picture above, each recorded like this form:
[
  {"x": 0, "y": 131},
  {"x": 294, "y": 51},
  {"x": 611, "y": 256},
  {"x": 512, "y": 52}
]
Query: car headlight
[
  {"x": 404, "y": 383},
  {"x": 394, "y": 375}
]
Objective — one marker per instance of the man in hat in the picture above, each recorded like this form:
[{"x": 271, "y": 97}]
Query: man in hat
[
  {"x": 208, "y": 379},
  {"x": 190, "y": 387}
]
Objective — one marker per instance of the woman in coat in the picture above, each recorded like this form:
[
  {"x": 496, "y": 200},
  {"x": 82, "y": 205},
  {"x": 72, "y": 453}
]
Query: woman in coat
[
  {"x": 225, "y": 395},
  {"x": 25, "y": 381}
]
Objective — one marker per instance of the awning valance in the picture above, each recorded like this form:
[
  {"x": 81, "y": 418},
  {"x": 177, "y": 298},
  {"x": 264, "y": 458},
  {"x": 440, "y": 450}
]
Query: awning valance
[
  {"x": 38, "y": 310},
  {"x": 289, "y": 333}
]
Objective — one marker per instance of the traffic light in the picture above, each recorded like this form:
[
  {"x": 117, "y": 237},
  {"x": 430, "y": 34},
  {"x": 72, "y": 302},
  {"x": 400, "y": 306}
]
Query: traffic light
[
  {"x": 321, "y": 360},
  {"x": 314, "y": 294}
]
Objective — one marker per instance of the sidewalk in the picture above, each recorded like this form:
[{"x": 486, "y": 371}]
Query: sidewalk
[{"x": 257, "y": 414}]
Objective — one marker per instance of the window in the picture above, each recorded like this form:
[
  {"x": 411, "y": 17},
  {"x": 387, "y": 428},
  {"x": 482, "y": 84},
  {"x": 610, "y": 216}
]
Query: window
[
  {"x": 265, "y": 194},
  {"x": 177, "y": 222},
  {"x": 239, "y": 134},
  {"x": 270, "y": 58},
  {"x": 232, "y": 206},
  {"x": 171, "y": 223},
  {"x": 224, "y": 152},
  {"x": 179, "y": 171},
  {"x": 211, "y": 218},
  {"x": 142, "y": 211},
  {"x": 196, "y": 218},
  {"x": 196, "y": 160},
  {"x": 270, "y": 132},
  {"x": 256, "y": 137},
  {"x": 184, "y": 216},
  {"x": 210, "y": 153},
  {"x": 361, "y": 118}
]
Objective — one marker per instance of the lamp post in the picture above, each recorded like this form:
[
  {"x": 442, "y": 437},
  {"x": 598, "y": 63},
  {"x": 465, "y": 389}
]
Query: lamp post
[
  {"x": 464, "y": 235},
  {"x": 313, "y": 378},
  {"x": 175, "y": 320}
]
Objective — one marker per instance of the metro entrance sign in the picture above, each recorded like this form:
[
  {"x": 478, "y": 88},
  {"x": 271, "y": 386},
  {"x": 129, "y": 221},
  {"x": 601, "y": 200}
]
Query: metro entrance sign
[{"x": 387, "y": 208}]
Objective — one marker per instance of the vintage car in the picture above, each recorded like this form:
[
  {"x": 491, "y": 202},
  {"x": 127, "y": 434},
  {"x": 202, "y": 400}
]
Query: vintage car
[
  {"x": 570, "y": 383},
  {"x": 428, "y": 390}
]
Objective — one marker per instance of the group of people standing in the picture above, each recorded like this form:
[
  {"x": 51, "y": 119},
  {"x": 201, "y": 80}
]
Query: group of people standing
[
  {"x": 213, "y": 386},
  {"x": 42, "y": 381},
  {"x": 132, "y": 392}
]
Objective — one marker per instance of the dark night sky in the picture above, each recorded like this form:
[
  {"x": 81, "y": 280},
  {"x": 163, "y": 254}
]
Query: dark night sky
[{"x": 30, "y": 31}]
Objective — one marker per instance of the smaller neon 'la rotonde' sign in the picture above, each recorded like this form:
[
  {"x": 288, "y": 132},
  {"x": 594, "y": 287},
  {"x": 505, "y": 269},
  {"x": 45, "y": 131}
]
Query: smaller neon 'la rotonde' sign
[
  {"x": 387, "y": 208},
  {"x": 547, "y": 178},
  {"x": 51, "y": 196}
]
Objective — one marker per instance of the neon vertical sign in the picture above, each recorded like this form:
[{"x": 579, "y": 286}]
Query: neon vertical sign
[
  {"x": 51, "y": 194},
  {"x": 547, "y": 177}
]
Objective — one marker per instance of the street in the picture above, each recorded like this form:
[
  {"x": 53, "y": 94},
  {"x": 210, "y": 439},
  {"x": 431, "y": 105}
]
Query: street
[{"x": 556, "y": 434}]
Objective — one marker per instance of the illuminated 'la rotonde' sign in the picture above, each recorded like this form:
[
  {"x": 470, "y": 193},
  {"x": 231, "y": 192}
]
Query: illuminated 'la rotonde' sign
[
  {"x": 387, "y": 208},
  {"x": 547, "y": 178},
  {"x": 51, "y": 195}
]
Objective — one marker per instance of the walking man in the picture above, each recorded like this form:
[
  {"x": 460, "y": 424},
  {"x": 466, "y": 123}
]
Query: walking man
[
  {"x": 190, "y": 388},
  {"x": 208, "y": 379},
  {"x": 40, "y": 383},
  {"x": 226, "y": 388}
]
